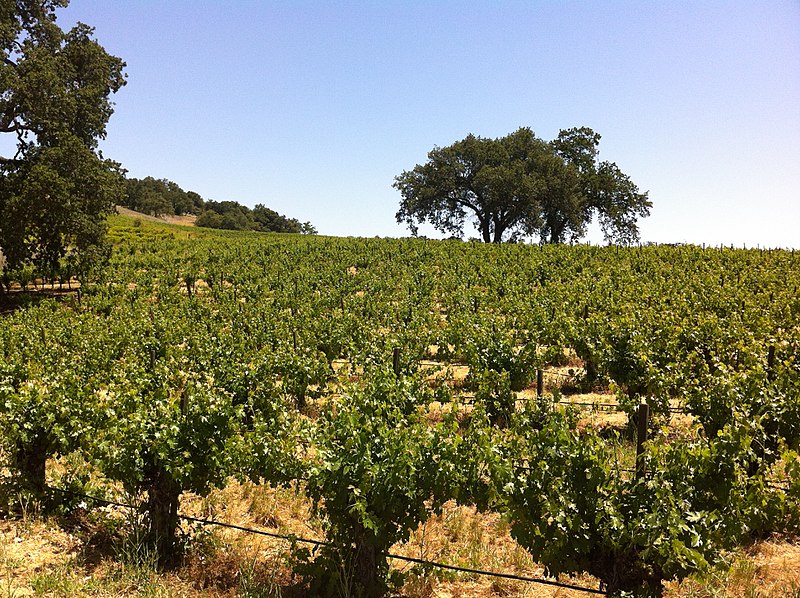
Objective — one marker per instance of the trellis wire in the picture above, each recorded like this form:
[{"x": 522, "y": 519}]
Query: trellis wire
[{"x": 292, "y": 538}]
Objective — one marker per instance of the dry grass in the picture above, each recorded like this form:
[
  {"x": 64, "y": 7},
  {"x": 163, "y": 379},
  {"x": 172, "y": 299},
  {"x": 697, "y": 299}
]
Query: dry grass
[
  {"x": 29, "y": 547},
  {"x": 43, "y": 558},
  {"x": 769, "y": 569},
  {"x": 463, "y": 537},
  {"x": 185, "y": 220}
]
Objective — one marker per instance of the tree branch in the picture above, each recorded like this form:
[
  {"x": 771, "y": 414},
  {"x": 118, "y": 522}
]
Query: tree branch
[
  {"x": 465, "y": 202},
  {"x": 8, "y": 118}
]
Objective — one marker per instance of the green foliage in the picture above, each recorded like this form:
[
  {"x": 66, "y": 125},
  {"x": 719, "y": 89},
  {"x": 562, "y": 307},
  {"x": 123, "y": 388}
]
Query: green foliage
[
  {"x": 270, "y": 221},
  {"x": 48, "y": 369},
  {"x": 56, "y": 190},
  {"x": 146, "y": 429},
  {"x": 160, "y": 196},
  {"x": 493, "y": 391},
  {"x": 182, "y": 363},
  {"x": 380, "y": 471},
  {"x": 230, "y": 215},
  {"x": 492, "y": 350},
  {"x": 574, "y": 512},
  {"x": 524, "y": 186},
  {"x": 299, "y": 370}
]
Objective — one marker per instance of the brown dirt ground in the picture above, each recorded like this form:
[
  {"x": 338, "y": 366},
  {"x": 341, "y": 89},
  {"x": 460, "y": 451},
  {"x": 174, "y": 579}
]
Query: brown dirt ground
[{"x": 461, "y": 536}]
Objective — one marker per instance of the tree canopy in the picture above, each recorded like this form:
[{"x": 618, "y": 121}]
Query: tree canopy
[
  {"x": 520, "y": 185},
  {"x": 57, "y": 188},
  {"x": 160, "y": 196},
  {"x": 232, "y": 215}
]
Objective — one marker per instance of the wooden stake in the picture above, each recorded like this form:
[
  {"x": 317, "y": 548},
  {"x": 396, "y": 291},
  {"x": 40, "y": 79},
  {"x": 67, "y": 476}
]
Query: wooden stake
[
  {"x": 396, "y": 361},
  {"x": 643, "y": 415},
  {"x": 771, "y": 363}
]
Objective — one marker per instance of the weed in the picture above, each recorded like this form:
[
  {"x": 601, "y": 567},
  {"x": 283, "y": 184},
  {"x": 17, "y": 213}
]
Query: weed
[
  {"x": 7, "y": 566},
  {"x": 60, "y": 582},
  {"x": 134, "y": 550},
  {"x": 418, "y": 585},
  {"x": 255, "y": 581}
]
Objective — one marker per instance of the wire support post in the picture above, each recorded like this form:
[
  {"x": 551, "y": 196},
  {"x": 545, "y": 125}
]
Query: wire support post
[{"x": 642, "y": 421}]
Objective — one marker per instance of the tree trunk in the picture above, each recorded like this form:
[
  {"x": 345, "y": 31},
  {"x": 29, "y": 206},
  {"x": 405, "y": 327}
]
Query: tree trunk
[
  {"x": 300, "y": 401},
  {"x": 163, "y": 493},
  {"x": 499, "y": 229},
  {"x": 487, "y": 234},
  {"x": 29, "y": 459},
  {"x": 591, "y": 369},
  {"x": 368, "y": 565}
]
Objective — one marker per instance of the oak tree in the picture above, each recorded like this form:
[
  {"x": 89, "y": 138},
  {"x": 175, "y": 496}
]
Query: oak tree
[
  {"x": 521, "y": 185},
  {"x": 56, "y": 188}
]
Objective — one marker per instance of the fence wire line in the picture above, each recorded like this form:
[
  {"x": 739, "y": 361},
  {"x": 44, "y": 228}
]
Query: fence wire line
[
  {"x": 293, "y": 538},
  {"x": 598, "y": 406},
  {"x": 561, "y": 374},
  {"x": 784, "y": 485},
  {"x": 608, "y": 406}
]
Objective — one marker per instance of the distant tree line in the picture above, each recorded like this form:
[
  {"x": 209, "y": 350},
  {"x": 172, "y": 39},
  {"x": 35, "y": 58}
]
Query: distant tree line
[
  {"x": 234, "y": 216},
  {"x": 159, "y": 197}
]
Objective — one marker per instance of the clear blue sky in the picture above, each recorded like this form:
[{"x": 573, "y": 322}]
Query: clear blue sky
[{"x": 313, "y": 108}]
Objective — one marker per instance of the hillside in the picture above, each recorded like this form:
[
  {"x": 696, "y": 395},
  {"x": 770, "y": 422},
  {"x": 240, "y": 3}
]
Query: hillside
[
  {"x": 317, "y": 388},
  {"x": 184, "y": 220}
]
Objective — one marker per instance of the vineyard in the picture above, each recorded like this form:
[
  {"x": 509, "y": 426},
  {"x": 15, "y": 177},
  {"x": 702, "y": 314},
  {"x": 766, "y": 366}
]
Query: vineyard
[{"x": 381, "y": 383}]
